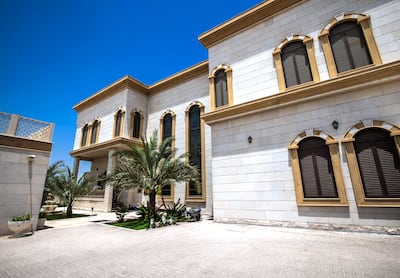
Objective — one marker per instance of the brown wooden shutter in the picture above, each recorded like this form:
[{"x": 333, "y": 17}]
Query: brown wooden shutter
[
  {"x": 221, "y": 89},
  {"x": 349, "y": 48},
  {"x": 316, "y": 169},
  {"x": 296, "y": 66},
  {"x": 379, "y": 163}
]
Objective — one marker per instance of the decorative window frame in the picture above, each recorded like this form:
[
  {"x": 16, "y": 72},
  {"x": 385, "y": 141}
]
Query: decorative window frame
[
  {"x": 308, "y": 42},
  {"x": 202, "y": 198},
  {"x": 228, "y": 70},
  {"x": 121, "y": 130},
  {"x": 132, "y": 123},
  {"x": 97, "y": 131},
  {"x": 333, "y": 146},
  {"x": 352, "y": 162},
  {"x": 173, "y": 116},
  {"x": 365, "y": 23}
]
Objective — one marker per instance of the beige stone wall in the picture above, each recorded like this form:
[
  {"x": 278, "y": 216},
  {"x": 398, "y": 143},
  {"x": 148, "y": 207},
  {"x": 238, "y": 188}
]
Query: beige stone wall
[
  {"x": 17, "y": 177},
  {"x": 254, "y": 182},
  {"x": 178, "y": 99},
  {"x": 249, "y": 53}
]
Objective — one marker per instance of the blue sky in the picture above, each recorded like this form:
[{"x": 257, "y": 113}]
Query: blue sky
[{"x": 54, "y": 54}]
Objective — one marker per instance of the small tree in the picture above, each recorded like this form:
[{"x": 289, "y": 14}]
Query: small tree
[
  {"x": 61, "y": 182},
  {"x": 151, "y": 167},
  {"x": 53, "y": 174},
  {"x": 72, "y": 188}
]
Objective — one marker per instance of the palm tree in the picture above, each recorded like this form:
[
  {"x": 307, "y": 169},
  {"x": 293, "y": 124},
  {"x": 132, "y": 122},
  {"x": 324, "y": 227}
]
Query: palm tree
[
  {"x": 61, "y": 182},
  {"x": 151, "y": 167},
  {"x": 52, "y": 182},
  {"x": 71, "y": 187}
]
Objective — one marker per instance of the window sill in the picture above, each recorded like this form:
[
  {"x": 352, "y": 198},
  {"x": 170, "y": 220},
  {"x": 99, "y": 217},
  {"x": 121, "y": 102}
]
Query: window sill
[
  {"x": 379, "y": 202},
  {"x": 322, "y": 202}
]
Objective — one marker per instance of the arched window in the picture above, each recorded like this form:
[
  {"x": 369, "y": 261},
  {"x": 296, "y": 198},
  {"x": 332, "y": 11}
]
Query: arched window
[
  {"x": 295, "y": 61},
  {"x": 348, "y": 43},
  {"x": 85, "y": 131},
  {"x": 221, "y": 87},
  {"x": 349, "y": 48},
  {"x": 167, "y": 130},
  {"x": 136, "y": 124},
  {"x": 95, "y": 132},
  {"x": 374, "y": 163},
  {"x": 195, "y": 147},
  {"x": 316, "y": 170},
  {"x": 118, "y": 122}
]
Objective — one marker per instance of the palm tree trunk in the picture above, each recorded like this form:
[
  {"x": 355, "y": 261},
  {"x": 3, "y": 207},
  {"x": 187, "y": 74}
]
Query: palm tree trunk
[
  {"x": 69, "y": 210},
  {"x": 152, "y": 205}
]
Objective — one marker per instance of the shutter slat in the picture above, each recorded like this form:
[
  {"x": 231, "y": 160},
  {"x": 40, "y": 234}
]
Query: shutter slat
[{"x": 380, "y": 172}]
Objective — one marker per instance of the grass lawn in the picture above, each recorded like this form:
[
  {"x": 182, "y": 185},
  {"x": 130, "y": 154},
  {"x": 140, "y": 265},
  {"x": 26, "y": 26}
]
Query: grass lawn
[
  {"x": 63, "y": 216},
  {"x": 134, "y": 224}
]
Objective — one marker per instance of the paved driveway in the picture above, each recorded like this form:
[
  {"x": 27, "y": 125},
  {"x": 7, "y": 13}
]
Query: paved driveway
[{"x": 202, "y": 249}]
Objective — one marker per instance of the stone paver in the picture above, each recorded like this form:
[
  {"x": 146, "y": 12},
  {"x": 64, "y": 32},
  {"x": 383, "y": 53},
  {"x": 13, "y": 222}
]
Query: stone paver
[{"x": 201, "y": 249}]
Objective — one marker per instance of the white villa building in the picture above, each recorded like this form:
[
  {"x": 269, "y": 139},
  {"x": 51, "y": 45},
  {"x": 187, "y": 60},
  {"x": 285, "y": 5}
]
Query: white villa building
[{"x": 294, "y": 119}]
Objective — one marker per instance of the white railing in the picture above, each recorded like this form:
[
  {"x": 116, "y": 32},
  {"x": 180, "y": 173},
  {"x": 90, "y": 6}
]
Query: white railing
[{"x": 15, "y": 125}]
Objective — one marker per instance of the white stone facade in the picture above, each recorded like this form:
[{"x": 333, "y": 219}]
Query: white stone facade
[{"x": 254, "y": 182}]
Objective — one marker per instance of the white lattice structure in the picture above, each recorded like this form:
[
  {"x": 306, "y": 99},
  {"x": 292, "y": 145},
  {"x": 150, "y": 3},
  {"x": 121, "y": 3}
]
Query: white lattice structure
[{"x": 15, "y": 125}]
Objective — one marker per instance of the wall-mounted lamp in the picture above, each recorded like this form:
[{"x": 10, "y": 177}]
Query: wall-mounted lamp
[
  {"x": 335, "y": 124},
  {"x": 249, "y": 139},
  {"x": 31, "y": 157}
]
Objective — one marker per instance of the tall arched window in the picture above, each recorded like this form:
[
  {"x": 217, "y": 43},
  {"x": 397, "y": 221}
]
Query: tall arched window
[
  {"x": 195, "y": 147},
  {"x": 316, "y": 170},
  {"x": 85, "y": 131},
  {"x": 167, "y": 130},
  {"x": 295, "y": 61},
  {"x": 137, "y": 117},
  {"x": 374, "y": 163},
  {"x": 95, "y": 132},
  {"x": 118, "y": 122},
  {"x": 348, "y": 43},
  {"x": 221, "y": 87},
  {"x": 349, "y": 48}
]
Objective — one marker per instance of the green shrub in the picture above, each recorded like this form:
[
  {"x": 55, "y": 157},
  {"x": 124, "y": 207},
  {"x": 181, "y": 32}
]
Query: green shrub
[
  {"x": 142, "y": 212},
  {"x": 176, "y": 210},
  {"x": 121, "y": 213},
  {"x": 21, "y": 217}
]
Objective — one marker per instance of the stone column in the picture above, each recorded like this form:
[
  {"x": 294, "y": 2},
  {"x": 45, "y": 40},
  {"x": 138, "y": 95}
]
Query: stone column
[
  {"x": 76, "y": 166},
  {"x": 108, "y": 193}
]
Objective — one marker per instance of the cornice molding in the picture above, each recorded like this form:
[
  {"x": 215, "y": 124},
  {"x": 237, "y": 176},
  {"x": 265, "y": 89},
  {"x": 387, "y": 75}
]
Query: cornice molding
[
  {"x": 341, "y": 82},
  {"x": 24, "y": 143},
  {"x": 245, "y": 20},
  {"x": 180, "y": 77},
  {"x": 117, "y": 142},
  {"x": 116, "y": 87},
  {"x": 130, "y": 82}
]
